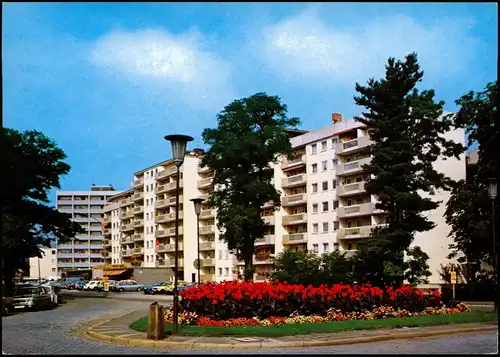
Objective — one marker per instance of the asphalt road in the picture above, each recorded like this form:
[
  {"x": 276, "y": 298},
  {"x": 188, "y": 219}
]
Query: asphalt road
[{"x": 48, "y": 332}]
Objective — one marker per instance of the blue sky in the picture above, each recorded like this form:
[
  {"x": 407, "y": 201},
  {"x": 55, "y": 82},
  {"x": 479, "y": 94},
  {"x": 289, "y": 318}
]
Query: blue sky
[{"x": 107, "y": 81}]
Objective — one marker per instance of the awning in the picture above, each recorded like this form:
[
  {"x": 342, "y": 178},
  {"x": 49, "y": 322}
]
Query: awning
[
  {"x": 137, "y": 256},
  {"x": 114, "y": 272},
  {"x": 293, "y": 167}
]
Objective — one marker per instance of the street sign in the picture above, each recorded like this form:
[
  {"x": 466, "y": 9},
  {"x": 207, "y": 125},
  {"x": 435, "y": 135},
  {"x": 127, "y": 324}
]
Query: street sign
[
  {"x": 453, "y": 277},
  {"x": 106, "y": 286}
]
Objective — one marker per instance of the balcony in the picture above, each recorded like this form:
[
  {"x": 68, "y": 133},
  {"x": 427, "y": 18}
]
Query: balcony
[
  {"x": 172, "y": 170},
  {"x": 139, "y": 210},
  {"x": 169, "y": 187},
  {"x": 300, "y": 160},
  {"x": 127, "y": 253},
  {"x": 139, "y": 250},
  {"x": 208, "y": 213},
  {"x": 351, "y": 189},
  {"x": 171, "y": 263},
  {"x": 161, "y": 248},
  {"x": 127, "y": 227},
  {"x": 138, "y": 237},
  {"x": 127, "y": 214},
  {"x": 107, "y": 231},
  {"x": 300, "y": 218},
  {"x": 126, "y": 202},
  {"x": 205, "y": 183},
  {"x": 355, "y": 232},
  {"x": 138, "y": 183},
  {"x": 269, "y": 220},
  {"x": 164, "y": 203},
  {"x": 295, "y": 238},
  {"x": 139, "y": 223},
  {"x": 207, "y": 262},
  {"x": 294, "y": 200},
  {"x": 106, "y": 243},
  {"x": 294, "y": 181},
  {"x": 266, "y": 240},
  {"x": 204, "y": 169},
  {"x": 207, "y": 277},
  {"x": 353, "y": 146},
  {"x": 127, "y": 240},
  {"x": 363, "y": 209},
  {"x": 207, "y": 246},
  {"x": 352, "y": 167},
  {"x": 170, "y": 217},
  {"x": 267, "y": 205},
  {"x": 171, "y": 247},
  {"x": 207, "y": 230},
  {"x": 168, "y": 232},
  {"x": 139, "y": 196}
]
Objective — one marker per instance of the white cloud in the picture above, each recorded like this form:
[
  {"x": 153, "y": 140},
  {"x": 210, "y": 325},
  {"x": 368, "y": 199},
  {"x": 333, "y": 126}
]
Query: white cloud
[
  {"x": 163, "y": 61},
  {"x": 308, "y": 47}
]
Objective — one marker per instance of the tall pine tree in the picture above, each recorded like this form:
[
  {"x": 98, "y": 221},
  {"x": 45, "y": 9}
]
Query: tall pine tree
[{"x": 407, "y": 128}]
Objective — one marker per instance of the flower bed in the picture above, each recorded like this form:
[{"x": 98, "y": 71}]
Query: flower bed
[
  {"x": 264, "y": 300},
  {"x": 382, "y": 312}
]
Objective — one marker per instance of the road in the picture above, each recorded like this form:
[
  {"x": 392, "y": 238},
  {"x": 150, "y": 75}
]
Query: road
[{"x": 48, "y": 332}]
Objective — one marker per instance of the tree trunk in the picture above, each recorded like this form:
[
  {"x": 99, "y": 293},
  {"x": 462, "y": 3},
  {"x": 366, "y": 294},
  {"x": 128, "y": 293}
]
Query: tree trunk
[
  {"x": 248, "y": 272},
  {"x": 8, "y": 283}
]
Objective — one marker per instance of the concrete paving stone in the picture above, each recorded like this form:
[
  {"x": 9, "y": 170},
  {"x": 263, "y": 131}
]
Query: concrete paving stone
[{"x": 216, "y": 340}]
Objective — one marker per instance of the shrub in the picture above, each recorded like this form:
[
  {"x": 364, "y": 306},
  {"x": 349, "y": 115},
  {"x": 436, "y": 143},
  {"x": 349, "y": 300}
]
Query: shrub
[{"x": 263, "y": 299}]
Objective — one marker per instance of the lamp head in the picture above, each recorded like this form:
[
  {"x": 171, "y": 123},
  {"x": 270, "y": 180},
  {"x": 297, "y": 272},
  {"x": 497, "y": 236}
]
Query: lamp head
[
  {"x": 197, "y": 205},
  {"x": 492, "y": 188},
  {"x": 179, "y": 143}
]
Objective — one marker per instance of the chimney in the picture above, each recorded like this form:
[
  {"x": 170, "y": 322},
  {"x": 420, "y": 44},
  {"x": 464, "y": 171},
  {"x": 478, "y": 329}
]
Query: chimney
[{"x": 336, "y": 117}]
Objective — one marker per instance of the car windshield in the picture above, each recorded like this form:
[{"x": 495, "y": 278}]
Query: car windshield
[{"x": 26, "y": 291}]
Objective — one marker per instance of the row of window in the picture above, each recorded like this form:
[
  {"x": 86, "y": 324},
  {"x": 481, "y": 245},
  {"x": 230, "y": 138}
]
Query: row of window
[
  {"x": 336, "y": 246},
  {"x": 324, "y": 186},
  {"x": 226, "y": 271},
  {"x": 324, "y": 206},
  {"x": 325, "y": 226},
  {"x": 324, "y": 145},
  {"x": 324, "y": 166}
]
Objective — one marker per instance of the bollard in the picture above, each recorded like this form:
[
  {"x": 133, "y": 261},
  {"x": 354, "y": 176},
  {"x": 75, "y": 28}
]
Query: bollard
[{"x": 156, "y": 326}]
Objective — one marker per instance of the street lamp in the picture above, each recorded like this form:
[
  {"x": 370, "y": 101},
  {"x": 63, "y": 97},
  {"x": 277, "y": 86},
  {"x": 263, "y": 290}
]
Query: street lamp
[
  {"x": 179, "y": 143},
  {"x": 197, "y": 208},
  {"x": 492, "y": 192}
]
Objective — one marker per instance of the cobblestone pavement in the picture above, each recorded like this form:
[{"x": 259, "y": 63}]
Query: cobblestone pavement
[{"x": 49, "y": 332}]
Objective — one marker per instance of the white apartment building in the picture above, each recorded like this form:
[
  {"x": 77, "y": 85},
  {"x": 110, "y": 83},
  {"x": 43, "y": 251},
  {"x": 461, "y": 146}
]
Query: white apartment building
[
  {"x": 324, "y": 207},
  {"x": 84, "y": 251},
  {"x": 45, "y": 267}
]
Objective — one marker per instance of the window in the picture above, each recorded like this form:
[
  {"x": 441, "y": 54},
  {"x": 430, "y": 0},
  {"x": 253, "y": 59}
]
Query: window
[
  {"x": 335, "y": 204},
  {"x": 334, "y": 184},
  {"x": 325, "y": 206},
  {"x": 325, "y": 227},
  {"x": 315, "y": 228},
  {"x": 53, "y": 252},
  {"x": 314, "y": 149},
  {"x": 349, "y": 246},
  {"x": 334, "y": 142},
  {"x": 314, "y": 188},
  {"x": 323, "y": 145},
  {"x": 147, "y": 188},
  {"x": 226, "y": 254},
  {"x": 335, "y": 162},
  {"x": 315, "y": 248},
  {"x": 325, "y": 247},
  {"x": 314, "y": 168},
  {"x": 220, "y": 255},
  {"x": 53, "y": 261},
  {"x": 220, "y": 271},
  {"x": 227, "y": 270},
  {"x": 335, "y": 246},
  {"x": 315, "y": 208},
  {"x": 324, "y": 186},
  {"x": 335, "y": 226},
  {"x": 53, "y": 270},
  {"x": 324, "y": 165}
]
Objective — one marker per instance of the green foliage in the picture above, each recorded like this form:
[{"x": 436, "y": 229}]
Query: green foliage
[
  {"x": 251, "y": 134},
  {"x": 407, "y": 128},
  {"x": 308, "y": 268},
  {"x": 34, "y": 164},
  {"x": 445, "y": 273},
  {"x": 469, "y": 208},
  {"x": 416, "y": 267}
]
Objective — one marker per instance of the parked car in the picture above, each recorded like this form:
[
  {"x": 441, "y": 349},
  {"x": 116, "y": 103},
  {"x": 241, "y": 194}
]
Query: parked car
[
  {"x": 79, "y": 285},
  {"x": 128, "y": 285},
  {"x": 91, "y": 285},
  {"x": 7, "y": 305},
  {"x": 180, "y": 288},
  {"x": 32, "y": 297},
  {"x": 149, "y": 289},
  {"x": 168, "y": 288},
  {"x": 100, "y": 285}
]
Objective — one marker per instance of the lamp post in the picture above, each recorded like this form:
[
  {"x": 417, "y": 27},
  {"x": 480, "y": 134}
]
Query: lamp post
[
  {"x": 179, "y": 143},
  {"x": 197, "y": 209},
  {"x": 492, "y": 192}
]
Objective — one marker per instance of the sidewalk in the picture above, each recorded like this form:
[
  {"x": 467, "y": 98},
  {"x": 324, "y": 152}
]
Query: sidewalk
[
  {"x": 117, "y": 330},
  {"x": 128, "y": 296}
]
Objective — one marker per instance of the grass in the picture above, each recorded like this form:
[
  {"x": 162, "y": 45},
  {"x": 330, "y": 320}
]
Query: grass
[{"x": 338, "y": 326}]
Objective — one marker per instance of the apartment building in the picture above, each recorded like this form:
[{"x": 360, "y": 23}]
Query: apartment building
[
  {"x": 325, "y": 207},
  {"x": 45, "y": 267},
  {"x": 84, "y": 251}
]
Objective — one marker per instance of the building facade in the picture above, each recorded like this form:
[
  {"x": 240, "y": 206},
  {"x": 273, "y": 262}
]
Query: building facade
[
  {"x": 45, "y": 267},
  {"x": 324, "y": 207},
  {"x": 86, "y": 207}
]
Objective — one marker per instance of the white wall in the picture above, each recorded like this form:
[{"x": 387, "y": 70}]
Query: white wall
[{"x": 48, "y": 264}]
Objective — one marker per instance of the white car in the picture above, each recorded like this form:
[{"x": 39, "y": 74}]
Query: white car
[{"x": 91, "y": 285}]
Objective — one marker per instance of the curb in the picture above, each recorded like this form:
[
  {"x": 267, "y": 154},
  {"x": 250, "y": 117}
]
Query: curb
[{"x": 271, "y": 345}]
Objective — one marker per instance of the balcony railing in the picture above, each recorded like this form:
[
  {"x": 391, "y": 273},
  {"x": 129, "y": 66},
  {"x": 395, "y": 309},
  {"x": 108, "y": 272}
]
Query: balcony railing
[
  {"x": 205, "y": 183},
  {"x": 266, "y": 240},
  {"x": 296, "y": 161},
  {"x": 204, "y": 169},
  {"x": 269, "y": 220},
  {"x": 138, "y": 196},
  {"x": 294, "y": 181},
  {"x": 127, "y": 253},
  {"x": 166, "y": 173},
  {"x": 127, "y": 240},
  {"x": 138, "y": 183},
  {"x": 126, "y": 202},
  {"x": 171, "y": 247},
  {"x": 207, "y": 277},
  {"x": 207, "y": 246},
  {"x": 352, "y": 146},
  {"x": 138, "y": 210},
  {"x": 351, "y": 189},
  {"x": 363, "y": 209},
  {"x": 164, "y": 218},
  {"x": 292, "y": 219},
  {"x": 138, "y": 250},
  {"x": 355, "y": 232},
  {"x": 295, "y": 238},
  {"x": 171, "y": 263},
  {"x": 352, "y": 167},
  {"x": 138, "y": 237},
  {"x": 294, "y": 200},
  {"x": 207, "y": 229},
  {"x": 127, "y": 227},
  {"x": 127, "y": 214},
  {"x": 207, "y": 262},
  {"x": 209, "y": 213},
  {"x": 107, "y": 231},
  {"x": 138, "y": 223}
]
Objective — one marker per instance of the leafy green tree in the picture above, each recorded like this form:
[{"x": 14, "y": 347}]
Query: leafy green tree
[
  {"x": 416, "y": 267},
  {"x": 251, "y": 134},
  {"x": 406, "y": 127},
  {"x": 336, "y": 268},
  {"x": 468, "y": 211},
  {"x": 33, "y": 163},
  {"x": 297, "y": 268}
]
